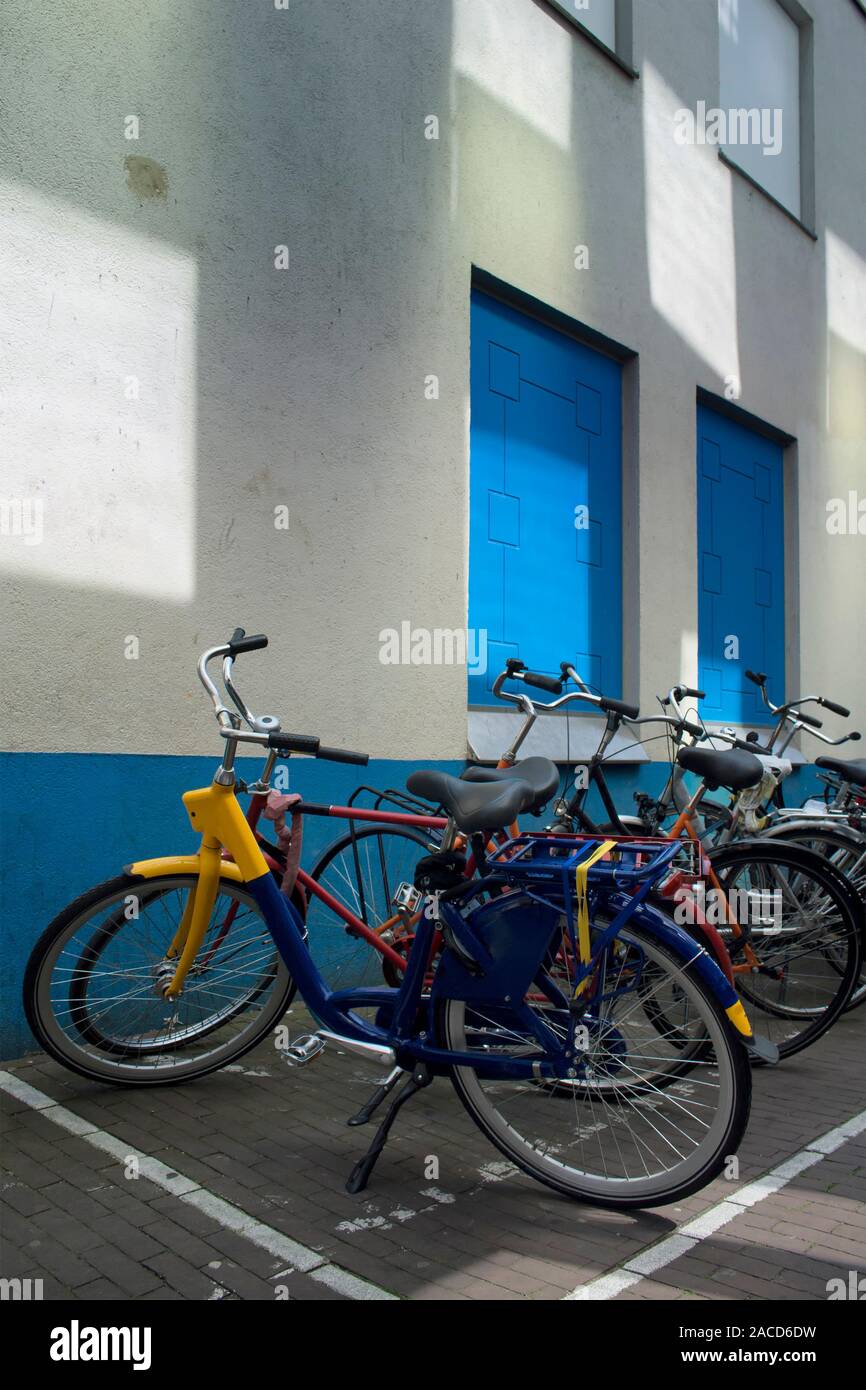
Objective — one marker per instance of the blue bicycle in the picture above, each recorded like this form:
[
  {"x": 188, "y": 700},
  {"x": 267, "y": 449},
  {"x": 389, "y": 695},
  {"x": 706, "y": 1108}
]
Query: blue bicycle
[{"x": 600, "y": 1049}]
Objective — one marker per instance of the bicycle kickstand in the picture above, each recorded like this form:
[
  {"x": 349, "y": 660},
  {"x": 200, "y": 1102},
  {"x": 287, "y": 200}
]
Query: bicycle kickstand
[
  {"x": 360, "y": 1174},
  {"x": 366, "y": 1111}
]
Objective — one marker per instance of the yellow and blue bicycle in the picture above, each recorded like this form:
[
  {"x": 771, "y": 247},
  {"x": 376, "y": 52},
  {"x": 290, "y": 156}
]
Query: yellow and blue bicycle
[{"x": 600, "y": 1049}]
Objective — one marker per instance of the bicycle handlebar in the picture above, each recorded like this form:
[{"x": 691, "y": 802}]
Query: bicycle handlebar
[
  {"x": 343, "y": 755},
  {"x": 239, "y": 642},
  {"x": 264, "y": 729},
  {"x": 834, "y": 708},
  {"x": 516, "y": 669}
]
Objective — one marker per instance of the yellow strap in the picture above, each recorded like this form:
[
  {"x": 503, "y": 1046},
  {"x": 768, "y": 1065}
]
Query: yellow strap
[{"x": 581, "y": 874}]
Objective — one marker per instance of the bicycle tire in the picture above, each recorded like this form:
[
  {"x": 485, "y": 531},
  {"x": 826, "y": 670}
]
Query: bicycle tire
[
  {"x": 372, "y": 900},
  {"x": 112, "y": 1063},
  {"x": 849, "y": 842},
  {"x": 720, "y": 1140},
  {"x": 788, "y": 855}
]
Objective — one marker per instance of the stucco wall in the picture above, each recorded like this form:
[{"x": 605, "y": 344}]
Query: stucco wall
[{"x": 304, "y": 387}]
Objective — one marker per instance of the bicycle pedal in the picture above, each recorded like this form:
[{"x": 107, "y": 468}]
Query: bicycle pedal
[{"x": 303, "y": 1050}]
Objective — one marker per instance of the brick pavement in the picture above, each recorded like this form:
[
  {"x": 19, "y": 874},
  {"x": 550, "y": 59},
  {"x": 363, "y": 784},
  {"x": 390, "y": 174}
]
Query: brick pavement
[{"x": 262, "y": 1143}]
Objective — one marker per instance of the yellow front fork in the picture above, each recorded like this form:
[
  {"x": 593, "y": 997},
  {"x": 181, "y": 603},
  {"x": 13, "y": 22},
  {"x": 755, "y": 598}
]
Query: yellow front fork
[
  {"x": 215, "y": 812},
  {"x": 191, "y": 932}
]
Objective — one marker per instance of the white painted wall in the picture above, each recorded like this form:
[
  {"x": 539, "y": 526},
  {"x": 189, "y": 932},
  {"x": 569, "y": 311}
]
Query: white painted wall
[{"x": 305, "y": 387}]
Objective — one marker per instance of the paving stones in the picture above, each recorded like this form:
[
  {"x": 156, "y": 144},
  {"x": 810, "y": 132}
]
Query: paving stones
[{"x": 274, "y": 1145}]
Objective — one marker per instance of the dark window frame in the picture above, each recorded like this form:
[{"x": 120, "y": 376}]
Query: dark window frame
[
  {"x": 623, "y": 55},
  {"x": 806, "y": 218}
]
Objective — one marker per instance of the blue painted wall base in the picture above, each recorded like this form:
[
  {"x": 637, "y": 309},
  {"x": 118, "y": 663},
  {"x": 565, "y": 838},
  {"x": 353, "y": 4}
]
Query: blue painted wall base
[{"x": 72, "y": 820}]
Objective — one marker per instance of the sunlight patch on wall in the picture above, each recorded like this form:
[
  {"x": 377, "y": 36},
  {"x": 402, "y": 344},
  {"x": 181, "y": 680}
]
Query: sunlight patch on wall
[
  {"x": 493, "y": 47},
  {"x": 690, "y": 234},
  {"x": 97, "y": 402},
  {"x": 688, "y": 657},
  {"x": 846, "y": 340}
]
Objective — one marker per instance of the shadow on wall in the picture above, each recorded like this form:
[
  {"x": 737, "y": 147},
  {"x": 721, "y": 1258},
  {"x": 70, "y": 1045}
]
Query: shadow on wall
[{"x": 172, "y": 388}]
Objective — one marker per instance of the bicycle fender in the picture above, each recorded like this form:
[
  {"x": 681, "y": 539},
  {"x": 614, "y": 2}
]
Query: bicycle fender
[
  {"x": 678, "y": 941},
  {"x": 784, "y": 830},
  {"x": 179, "y": 864}
]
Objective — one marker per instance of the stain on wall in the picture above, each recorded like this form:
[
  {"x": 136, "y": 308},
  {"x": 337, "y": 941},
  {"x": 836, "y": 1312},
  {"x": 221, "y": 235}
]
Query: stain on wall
[{"x": 144, "y": 177}]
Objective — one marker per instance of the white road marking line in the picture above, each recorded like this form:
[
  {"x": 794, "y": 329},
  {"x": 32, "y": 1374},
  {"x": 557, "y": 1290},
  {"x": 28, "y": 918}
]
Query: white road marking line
[
  {"x": 300, "y": 1257},
  {"x": 691, "y": 1233}
]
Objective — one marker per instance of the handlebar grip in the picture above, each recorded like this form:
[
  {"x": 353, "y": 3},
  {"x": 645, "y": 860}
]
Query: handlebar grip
[
  {"x": 619, "y": 707},
  {"x": 694, "y": 729},
  {"x": 541, "y": 682},
  {"x": 239, "y": 642},
  {"x": 807, "y": 719},
  {"x": 836, "y": 709},
  {"x": 343, "y": 755},
  {"x": 294, "y": 743},
  {"x": 756, "y": 677},
  {"x": 855, "y": 736},
  {"x": 694, "y": 694}
]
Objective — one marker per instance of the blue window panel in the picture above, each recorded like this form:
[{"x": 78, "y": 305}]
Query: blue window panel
[
  {"x": 497, "y": 655},
  {"x": 504, "y": 372},
  {"x": 588, "y": 665},
  {"x": 764, "y": 591},
  {"x": 712, "y": 573},
  {"x": 545, "y": 438},
  {"x": 589, "y": 545},
  {"x": 710, "y": 459},
  {"x": 711, "y": 684},
  {"x": 588, "y": 408},
  {"x": 741, "y": 541},
  {"x": 504, "y": 519}
]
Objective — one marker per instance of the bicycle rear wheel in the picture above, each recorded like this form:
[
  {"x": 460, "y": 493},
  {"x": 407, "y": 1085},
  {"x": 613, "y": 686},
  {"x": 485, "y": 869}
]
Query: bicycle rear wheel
[
  {"x": 802, "y": 926},
  {"x": 92, "y": 991},
  {"x": 363, "y": 872},
  {"x": 613, "y": 1136},
  {"x": 846, "y": 851}
]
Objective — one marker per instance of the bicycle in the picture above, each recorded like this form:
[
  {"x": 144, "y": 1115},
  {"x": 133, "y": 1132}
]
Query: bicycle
[
  {"x": 801, "y": 994},
  {"x": 617, "y": 1136},
  {"x": 834, "y": 832},
  {"x": 800, "y": 964}
]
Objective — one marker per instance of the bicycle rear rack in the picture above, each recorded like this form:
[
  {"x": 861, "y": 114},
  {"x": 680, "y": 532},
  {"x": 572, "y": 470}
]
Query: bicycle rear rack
[{"x": 540, "y": 857}]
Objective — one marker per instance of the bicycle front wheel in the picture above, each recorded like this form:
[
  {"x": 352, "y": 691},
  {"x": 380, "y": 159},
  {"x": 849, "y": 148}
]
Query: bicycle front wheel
[
  {"x": 613, "y": 1136},
  {"x": 93, "y": 995}
]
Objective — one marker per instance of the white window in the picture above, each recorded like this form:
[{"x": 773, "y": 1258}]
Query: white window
[
  {"x": 759, "y": 95},
  {"x": 598, "y": 16}
]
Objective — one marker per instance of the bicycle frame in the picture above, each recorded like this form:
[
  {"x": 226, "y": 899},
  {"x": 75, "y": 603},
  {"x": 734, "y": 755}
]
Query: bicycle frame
[
  {"x": 683, "y": 828},
  {"x": 357, "y": 926},
  {"x": 374, "y": 937},
  {"x": 216, "y": 814}
]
